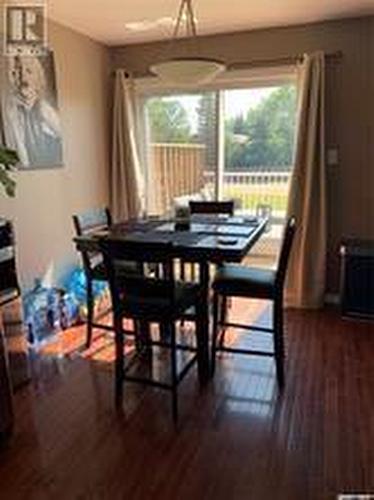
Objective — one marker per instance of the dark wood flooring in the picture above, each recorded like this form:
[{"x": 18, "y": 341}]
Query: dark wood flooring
[{"x": 237, "y": 439}]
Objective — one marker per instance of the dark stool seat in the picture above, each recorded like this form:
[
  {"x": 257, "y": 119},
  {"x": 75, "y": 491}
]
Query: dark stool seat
[
  {"x": 150, "y": 298},
  {"x": 253, "y": 283},
  {"x": 205, "y": 208},
  {"x": 93, "y": 265},
  {"x": 240, "y": 281},
  {"x": 98, "y": 271},
  {"x": 156, "y": 305},
  {"x": 212, "y": 207}
]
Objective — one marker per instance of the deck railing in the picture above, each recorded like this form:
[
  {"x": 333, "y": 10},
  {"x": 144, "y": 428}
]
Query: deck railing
[
  {"x": 177, "y": 170},
  {"x": 257, "y": 190}
]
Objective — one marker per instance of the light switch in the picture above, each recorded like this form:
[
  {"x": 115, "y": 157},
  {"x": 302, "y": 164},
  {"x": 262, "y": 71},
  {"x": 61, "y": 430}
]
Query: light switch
[{"x": 332, "y": 157}]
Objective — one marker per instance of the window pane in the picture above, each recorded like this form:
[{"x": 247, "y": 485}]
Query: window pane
[
  {"x": 259, "y": 149},
  {"x": 182, "y": 149}
]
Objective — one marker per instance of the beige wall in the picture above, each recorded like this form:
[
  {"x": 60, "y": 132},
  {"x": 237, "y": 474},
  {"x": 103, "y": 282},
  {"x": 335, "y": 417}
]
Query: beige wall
[
  {"x": 349, "y": 116},
  {"x": 46, "y": 199}
]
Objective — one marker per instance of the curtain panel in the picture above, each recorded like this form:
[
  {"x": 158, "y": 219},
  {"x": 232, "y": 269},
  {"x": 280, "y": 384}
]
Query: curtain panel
[
  {"x": 127, "y": 182},
  {"x": 307, "y": 200}
]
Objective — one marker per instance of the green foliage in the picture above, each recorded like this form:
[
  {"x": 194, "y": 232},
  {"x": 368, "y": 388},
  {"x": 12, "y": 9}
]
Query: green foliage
[
  {"x": 168, "y": 121},
  {"x": 265, "y": 136},
  {"x": 262, "y": 137},
  {"x": 8, "y": 160}
]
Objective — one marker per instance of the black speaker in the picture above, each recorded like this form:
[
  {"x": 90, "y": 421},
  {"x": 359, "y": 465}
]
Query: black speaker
[{"x": 357, "y": 279}]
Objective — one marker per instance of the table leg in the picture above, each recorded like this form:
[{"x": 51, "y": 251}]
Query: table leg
[
  {"x": 142, "y": 335},
  {"x": 142, "y": 328},
  {"x": 202, "y": 325}
]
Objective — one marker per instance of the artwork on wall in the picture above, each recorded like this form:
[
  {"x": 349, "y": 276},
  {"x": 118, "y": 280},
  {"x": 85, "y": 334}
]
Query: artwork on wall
[{"x": 30, "y": 111}]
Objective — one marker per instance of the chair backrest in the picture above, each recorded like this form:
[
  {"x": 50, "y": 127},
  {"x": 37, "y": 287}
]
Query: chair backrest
[
  {"x": 138, "y": 283},
  {"x": 288, "y": 236},
  {"x": 92, "y": 220},
  {"x": 212, "y": 207},
  {"x": 88, "y": 222}
]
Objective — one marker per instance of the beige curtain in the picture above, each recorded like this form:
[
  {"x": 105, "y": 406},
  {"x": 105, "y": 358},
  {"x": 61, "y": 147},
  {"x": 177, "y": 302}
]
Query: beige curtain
[
  {"x": 127, "y": 183},
  {"x": 307, "y": 201}
]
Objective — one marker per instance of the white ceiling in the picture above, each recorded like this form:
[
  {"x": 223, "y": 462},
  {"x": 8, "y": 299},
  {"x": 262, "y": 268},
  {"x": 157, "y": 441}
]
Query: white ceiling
[{"x": 105, "y": 20}]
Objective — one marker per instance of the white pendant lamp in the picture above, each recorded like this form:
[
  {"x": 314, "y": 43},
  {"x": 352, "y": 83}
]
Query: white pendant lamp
[{"x": 187, "y": 70}]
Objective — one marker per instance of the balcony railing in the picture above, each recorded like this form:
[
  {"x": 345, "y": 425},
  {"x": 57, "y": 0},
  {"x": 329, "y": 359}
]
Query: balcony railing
[
  {"x": 256, "y": 191},
  {"x": 177, "y": 170}
]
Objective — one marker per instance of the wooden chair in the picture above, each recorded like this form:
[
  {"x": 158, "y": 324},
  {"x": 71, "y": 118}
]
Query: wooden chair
[
  {"x": 212, "y": 207},
  {"x": 254, "y": 283},
  {"x": 206, "y": 208},
  {"x": 99, "y": 219},
  {"x": 161, "y": 300}
]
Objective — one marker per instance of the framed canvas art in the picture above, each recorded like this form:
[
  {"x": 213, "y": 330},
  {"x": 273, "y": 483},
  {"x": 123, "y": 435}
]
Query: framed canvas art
[{"x": 30, "y": 112}]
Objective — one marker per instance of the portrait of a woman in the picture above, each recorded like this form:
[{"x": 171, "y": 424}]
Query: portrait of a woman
[{"x": 30, "y": 111}]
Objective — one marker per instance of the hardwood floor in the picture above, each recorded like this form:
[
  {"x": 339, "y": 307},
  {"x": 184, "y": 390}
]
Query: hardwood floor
[{"x": 237, "y": 439}]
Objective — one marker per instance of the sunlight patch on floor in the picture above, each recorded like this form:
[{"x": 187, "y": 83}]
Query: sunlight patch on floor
[{"x": 71, "y": 342}]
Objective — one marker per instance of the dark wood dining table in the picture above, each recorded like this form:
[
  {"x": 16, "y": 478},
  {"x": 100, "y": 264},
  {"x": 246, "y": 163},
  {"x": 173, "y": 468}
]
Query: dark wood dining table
[{"x": 209, "y": 239}]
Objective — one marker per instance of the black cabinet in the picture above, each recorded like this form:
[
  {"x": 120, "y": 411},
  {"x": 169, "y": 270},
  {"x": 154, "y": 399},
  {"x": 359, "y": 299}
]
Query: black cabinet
[
  {"x": 11, "y": 314},
  {"x": 8, "y": 271},
  {"x": 357, "y": 278}
]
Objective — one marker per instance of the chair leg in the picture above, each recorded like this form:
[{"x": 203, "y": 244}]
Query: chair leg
[
  {"x": 120, "y": 361},
  {"x": 174, "y": 374},
  {"x": 144, "y": 334},
  {"x": 223, "y": 319},
  {"x": 90, "y": 311},
  {"x": 182, "y": 268},
  {"x": 215, "y": 331},
  {"x": 157, "y": 272},
  {"x": 279, "y": 340},
  {"x": 138, "y": 343},
  {"x": 165, "y": 335},
  {"x": 193, "y": 272}
]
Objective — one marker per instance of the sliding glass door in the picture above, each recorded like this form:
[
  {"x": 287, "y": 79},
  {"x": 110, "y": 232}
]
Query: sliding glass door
[
  {"x": 182, "y": 149},
  {"x": 224, "y": 144}
]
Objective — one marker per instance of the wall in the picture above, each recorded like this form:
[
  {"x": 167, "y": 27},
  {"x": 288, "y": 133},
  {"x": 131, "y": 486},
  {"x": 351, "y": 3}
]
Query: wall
[
  {"x": 46, "y": 199},
  {"x": 349, "y": 102}
]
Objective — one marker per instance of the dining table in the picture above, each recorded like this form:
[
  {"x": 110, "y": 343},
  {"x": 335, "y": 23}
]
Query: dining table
[{"x": 207, "y": 239}]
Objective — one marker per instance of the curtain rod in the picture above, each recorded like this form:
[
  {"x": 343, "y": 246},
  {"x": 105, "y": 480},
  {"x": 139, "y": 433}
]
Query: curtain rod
[
  {"x": 258, "y": 63},
  {"x": 281, "y": 61}
]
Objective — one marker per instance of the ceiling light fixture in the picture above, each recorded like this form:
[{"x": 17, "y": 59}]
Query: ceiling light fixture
[
  {"x": 187, "y": 70},
  {"x": 147, "y": 25}
]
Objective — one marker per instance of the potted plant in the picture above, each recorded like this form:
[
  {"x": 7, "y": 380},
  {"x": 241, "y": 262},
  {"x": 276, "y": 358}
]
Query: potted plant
[{"x": 8, "y": 161}]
